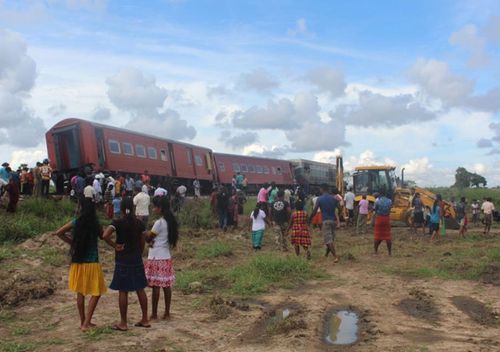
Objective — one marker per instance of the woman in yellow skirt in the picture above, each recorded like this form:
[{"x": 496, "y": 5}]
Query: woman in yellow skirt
[{"x": 85, "y": 273}]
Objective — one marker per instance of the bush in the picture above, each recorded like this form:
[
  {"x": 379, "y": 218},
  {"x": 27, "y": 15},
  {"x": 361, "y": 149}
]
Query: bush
[{"x": 196, "y": 213}]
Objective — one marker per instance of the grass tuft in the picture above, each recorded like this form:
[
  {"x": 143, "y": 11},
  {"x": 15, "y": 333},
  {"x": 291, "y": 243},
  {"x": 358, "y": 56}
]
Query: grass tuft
[{"x": 214, "y": 249}]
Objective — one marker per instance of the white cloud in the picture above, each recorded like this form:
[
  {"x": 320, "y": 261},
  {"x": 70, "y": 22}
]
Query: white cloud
[
  {"x": 468, "y": 38},
  {"x": 258, "y": 80},
  {"x": 417, "y": 167},
  {"x": 130, "y": 89},
  {"x": 327, "y": 156},
  {"x": 239, "y": 140},
  {"x": 262, "y": 150},
  {"x": 316, "y": 136},
  {"x": 328, "y": 80},
  {"x": 493, "y": 29},
  {"x": 100, "y": 114},
  {"x": 379, "y": 110},
  {"x": 18, "y": 124},
  {"x": 283, "y": 114},
  {"x": 27, "y": 156},
  {"x": 300, "y": 29},
  {"x": 57, "y": 110},
  {"x": 435, "y": 79}
]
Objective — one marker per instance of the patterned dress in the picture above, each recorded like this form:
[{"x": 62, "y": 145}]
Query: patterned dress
[{"x": 300, "y": 229}]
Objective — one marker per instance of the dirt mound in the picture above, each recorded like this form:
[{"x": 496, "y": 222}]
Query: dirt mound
[
  {"x": 420, "y": 305},
  {"x": 45, "y": 240},
  {"x": 491, "y": 275},
  {"x": 25, "y": 286},
  {"x": 476, "y": 310}
]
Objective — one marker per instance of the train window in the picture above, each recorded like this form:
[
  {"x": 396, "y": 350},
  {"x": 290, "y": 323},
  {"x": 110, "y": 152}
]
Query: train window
[
  {"x": 243, "y": 168},
  {"x": 114, "y": 146},
  {"x": 266, "y": 169},
  {"x": 251, "y": 168},
  {"x": 128, "y": 149},
  {"x": 236, "y": 167},
  {"x": 189, "y": 160},
  {"x": 278, "y": 170},
  {"x": 198, "y": 160},
  {"x": 273, "y": 169},
  {"x": 259, "y": 169},
  {"x": 163, "y": 154},
  {"x": 152, "y": 153},
  {"x": 140, "y": 151},
  {"x": 222, "y": 167}
]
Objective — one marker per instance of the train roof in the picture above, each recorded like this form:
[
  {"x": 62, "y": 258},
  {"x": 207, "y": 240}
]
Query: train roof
[
  {"x": 96, "y": 124},
  {"x": 301, "y": 161},
  {"x": 250, "y": 157},
  {"x": 375, "y": 167}
]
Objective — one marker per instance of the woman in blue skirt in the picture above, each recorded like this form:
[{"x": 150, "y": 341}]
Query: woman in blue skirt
[{"x": 129, "y": 273}]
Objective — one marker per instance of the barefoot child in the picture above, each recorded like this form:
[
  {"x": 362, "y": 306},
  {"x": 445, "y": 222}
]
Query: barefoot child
[
  {"x": 258, "y": 218},
  {"x": 158, "y": 267},
  {"x": 300, "y": 229},
  {"x": 129, "y": 273},
  {"x": 85, "y": 273}
]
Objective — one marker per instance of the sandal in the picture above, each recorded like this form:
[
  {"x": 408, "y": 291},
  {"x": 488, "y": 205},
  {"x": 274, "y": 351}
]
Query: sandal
[
  {"x": 116, "y": 327},
  {"x": 142, "y": 325}
]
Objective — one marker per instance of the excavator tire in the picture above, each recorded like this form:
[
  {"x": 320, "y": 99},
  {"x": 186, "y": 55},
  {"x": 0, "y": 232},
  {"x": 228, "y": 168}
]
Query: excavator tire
[{"x": 451, "y": 223}]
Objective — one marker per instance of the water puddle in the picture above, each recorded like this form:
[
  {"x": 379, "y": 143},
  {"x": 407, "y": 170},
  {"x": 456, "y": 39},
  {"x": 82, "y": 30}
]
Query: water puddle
[{"x": 341, "y": 328}]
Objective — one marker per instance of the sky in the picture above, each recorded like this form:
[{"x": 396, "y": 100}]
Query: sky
[{"x": 411, "y": 84}]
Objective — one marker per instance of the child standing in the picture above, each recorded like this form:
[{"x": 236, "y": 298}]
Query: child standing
[
  {"x": 85, "y": 273},
  {"x": 129, "y": 269},
  {"x": 158, "y": 267},
  {"x": 300, "y": 230},
  {"x": 258, "y": 218}
]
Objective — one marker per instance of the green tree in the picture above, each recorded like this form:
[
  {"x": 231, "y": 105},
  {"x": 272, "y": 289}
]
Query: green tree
[
  {"x": 462, "y": 178},
  {"x": 477, "y": 180}
]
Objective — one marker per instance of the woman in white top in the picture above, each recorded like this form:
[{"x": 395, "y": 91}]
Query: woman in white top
[
  {"x": 259, "y": 220},
  {"x": 158, "y": 266}
]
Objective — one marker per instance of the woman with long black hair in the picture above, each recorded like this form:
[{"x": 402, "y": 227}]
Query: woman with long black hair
[
  {"x": 85, "y": 273},
  {"x": 159, "y": 271},
  {"x": 129, "y": 269}
]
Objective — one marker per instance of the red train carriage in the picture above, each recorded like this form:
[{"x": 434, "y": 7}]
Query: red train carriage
[
  {"x": 257, "y": 170},
  {"x": 73, "y": 143}
]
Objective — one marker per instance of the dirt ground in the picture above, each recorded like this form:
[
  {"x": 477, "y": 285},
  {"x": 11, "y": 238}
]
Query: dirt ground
[{"x": 396, "y": 312}]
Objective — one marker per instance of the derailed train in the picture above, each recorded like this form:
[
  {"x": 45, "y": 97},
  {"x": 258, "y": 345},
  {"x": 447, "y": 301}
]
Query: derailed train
[{"x": 74, "y": 144}]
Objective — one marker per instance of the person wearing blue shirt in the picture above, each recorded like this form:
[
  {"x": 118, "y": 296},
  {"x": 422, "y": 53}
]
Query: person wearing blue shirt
[
  {"x": 382, "y": 210},
  {"x": 117, "y": 202},
  {"x": 328, "y": 205}
]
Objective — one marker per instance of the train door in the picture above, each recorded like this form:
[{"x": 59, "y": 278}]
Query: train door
[
  {"x": 190, "y": 159},
  {"x": 172, "y": 159},
  {"x": 67, "y": 147},
  {"x": 101, "y": 155}
]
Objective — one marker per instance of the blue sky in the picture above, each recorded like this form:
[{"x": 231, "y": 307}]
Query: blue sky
[{"x": 414, "y": 84}]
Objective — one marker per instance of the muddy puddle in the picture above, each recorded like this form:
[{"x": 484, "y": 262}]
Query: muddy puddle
[
  {"x": 420, "y": 305},
  {"x": 341, "y": 327},
  {"x": 476, "y": 310}
]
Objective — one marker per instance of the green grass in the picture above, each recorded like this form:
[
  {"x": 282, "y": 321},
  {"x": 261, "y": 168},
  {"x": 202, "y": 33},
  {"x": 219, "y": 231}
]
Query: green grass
[
  {"x": 33, "y": 217},
  {"x": 214, "y": 249},
  {"x": 196, "y": 214},
  {"x": 266, "y": 271},
  {"x": 185, "y": 277},
  {"x": 98, "y": 333},
  {"x": 11, "y": 346},
  {"x": 54, "y": 256}
]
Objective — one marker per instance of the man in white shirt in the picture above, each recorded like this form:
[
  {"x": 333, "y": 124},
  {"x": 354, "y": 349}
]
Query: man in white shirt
[
  {"x": 196, "y": 185},
  {"x": 141, "y": 203},
  {"x": 487, "y": 208},
  {"x": 98, "y": 190},
  {"x": 349, "y": 205},
  {"x": 89, "y": 190}
]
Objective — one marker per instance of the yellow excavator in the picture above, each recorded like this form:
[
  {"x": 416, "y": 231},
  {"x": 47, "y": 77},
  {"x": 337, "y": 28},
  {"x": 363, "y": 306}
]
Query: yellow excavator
[{"x": 369, "y": 180}]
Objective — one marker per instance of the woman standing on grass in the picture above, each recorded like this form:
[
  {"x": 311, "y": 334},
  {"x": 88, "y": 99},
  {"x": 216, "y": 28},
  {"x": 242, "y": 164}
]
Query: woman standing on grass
[
  {"x": 129, "y": 273},
  {"x": 435, "y": 219},
  {"x": 382, "y": 209},
  {"x": 159, "y": 270},
  {"x": 300, "y": 230},
  {"x": 85, "y": 273}
]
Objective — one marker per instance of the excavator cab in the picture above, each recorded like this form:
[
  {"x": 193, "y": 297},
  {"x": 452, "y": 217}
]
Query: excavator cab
[{"x": 368, "y": 180}]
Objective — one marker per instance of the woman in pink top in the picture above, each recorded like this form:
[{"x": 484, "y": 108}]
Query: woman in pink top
[
  {"x": 262, "y": 197},
  {"x": 362, "y": 215}
]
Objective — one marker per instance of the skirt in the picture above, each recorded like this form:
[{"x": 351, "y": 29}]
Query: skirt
[
  {"x": 86, "y": 279},
  {"x": 382, "y": 228},
  {"x": 129, "y": 276},
  {"x": 159, "y": 272}
]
